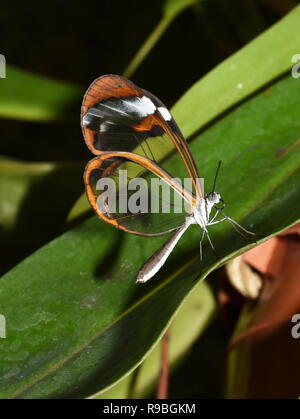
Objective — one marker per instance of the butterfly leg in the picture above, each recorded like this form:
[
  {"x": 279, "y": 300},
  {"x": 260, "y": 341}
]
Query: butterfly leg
[
  {"x": 214, "y": 217},
  {"x": 211, "y": 245},
  {"x": 216, "y": 222},
  {"x": 203, "y": 234},
  {"x": 200, "y": 248},
  {"x": 239, "y": 228}
]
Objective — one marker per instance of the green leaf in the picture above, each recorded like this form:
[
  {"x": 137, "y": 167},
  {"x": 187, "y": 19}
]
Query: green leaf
[
  {"x": 256, "y": 64},
  {"x": 31, "y": 97},
  {"x": 195, "y": 314},
  {"x": 236, "y": 377},
  {"x": 29, "y": 217},
  {"x": 80, "y": 209},
  {"x": 232, "y": 81},
  {"x": 76, "y": 321},
  {"x": 173, "y": 7},
  {"x": 15, "y": 180}
]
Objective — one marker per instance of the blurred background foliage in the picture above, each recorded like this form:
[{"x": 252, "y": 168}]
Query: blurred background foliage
[{"x": 53, "y": 53}]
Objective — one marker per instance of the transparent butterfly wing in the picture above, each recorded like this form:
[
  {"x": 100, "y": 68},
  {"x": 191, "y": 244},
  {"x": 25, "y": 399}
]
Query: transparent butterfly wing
[
  {"x": 119, "y": 116},
  {"x": 136, "y": 195}
]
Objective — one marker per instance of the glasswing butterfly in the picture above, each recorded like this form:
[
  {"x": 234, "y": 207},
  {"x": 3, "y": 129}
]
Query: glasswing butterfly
[{"x": 125, "y": 126}]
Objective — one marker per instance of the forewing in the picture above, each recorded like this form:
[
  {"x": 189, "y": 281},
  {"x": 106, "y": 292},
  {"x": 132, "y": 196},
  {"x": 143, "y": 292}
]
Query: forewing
[{"x": 119, "y": 116}]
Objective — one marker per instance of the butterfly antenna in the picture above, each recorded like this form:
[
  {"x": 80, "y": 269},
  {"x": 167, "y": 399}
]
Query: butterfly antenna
[{"x": 216, "y": 176}]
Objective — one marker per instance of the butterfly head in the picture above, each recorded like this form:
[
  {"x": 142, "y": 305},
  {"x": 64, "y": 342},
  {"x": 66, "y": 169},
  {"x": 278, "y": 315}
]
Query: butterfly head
[{"x": 213, "y": 198}]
